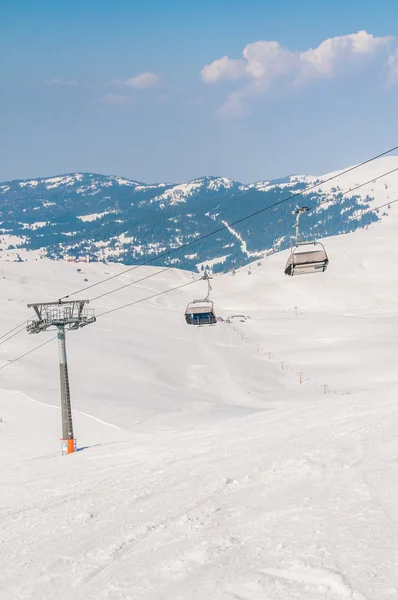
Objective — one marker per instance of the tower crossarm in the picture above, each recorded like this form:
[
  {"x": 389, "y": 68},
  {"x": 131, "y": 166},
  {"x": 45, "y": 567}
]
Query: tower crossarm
[{"x": 70, "y": 314}]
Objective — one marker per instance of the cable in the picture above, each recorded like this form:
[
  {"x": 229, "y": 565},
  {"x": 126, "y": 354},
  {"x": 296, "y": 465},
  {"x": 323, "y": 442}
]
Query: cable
[
  {"x": 11, "y": 330},
  {"x": 326, "y": 200},
  {"x": 351, "y": 190},
  {"x": 223, "y": 229},
  {"x": 273, "y": 223},
  {"x": 356, "y": 188},
  {"x": 378, "y": 207},
  {"x": 196, "y": 280},
  {"x": 101, "y": 315},
  {"x": 177, "y": 287},
  {"x": 26, "y": 353},
  {"x": 214, "y": 232},
  {"x": 152, "y": 296},
  {"x": 13, "y": 335},
  {"x": 101, "y": 296},
  {"x": 131, "y": 283}
]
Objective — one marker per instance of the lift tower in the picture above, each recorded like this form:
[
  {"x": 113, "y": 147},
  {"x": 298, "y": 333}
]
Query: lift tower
[{"x": 70, "y": 314}]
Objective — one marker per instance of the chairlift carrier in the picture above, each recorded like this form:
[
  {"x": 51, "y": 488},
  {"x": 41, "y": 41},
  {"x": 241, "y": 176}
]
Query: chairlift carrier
[
  {"x": 303, "y": 259},
  {"x": 201, "y": 311}
]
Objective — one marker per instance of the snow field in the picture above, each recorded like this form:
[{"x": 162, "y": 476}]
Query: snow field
[{"x": 206, "y": 471}]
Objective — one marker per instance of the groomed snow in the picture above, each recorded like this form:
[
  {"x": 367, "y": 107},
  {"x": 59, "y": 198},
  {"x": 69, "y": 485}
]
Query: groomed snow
[{"x": 207, "y": 471}]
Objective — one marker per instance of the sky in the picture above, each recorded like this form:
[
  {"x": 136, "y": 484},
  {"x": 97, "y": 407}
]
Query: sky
[{"x": 169, "y": 91}]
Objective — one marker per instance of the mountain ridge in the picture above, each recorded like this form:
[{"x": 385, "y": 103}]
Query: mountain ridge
[{"x": 113, "y": 218}]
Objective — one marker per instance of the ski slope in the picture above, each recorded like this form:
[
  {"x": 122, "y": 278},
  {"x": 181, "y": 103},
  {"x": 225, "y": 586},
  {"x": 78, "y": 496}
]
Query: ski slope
[
  {"x": 207, "y": 471},
  {"x": 377, "y": 181}
]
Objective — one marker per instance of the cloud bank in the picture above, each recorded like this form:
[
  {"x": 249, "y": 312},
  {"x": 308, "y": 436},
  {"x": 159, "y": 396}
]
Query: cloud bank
[{"x": 267, "y": 63}]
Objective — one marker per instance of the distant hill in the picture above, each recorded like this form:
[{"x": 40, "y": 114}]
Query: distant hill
[{"x": 109, "y": 218}]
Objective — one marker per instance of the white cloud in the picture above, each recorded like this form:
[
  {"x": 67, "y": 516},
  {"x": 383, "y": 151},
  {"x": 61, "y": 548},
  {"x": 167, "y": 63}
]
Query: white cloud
[
  {"x": 143, "y": 81},
  {"x": 223, "y": 68},
  {"x": 393, "y": 67},
  {"x": 115, "y": 99},
  {"x": 266, "y": 62},
  {"x": 332, "y": 53},
  {"x": 60, "y": 81}
]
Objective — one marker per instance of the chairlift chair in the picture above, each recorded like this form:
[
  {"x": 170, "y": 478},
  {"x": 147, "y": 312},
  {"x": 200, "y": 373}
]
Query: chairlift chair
[
  {"x": 201, "y": 312},
  {"x": 303, "y": 259}
]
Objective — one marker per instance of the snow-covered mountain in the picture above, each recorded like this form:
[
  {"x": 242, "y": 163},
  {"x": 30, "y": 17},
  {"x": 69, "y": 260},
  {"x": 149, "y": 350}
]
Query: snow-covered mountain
[
  {"x": 213, "y": 465},
  {"x": 117, "y": 219}
]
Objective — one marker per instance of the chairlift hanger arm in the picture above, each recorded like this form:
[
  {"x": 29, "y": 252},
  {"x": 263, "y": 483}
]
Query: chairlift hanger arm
[
  {"x": 299, "y": 211},
  {"x": 207, "y": 278}
]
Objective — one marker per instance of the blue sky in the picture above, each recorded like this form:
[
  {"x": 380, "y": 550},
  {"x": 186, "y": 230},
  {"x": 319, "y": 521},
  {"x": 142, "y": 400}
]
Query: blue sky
[{"x": 137, "y": 88}]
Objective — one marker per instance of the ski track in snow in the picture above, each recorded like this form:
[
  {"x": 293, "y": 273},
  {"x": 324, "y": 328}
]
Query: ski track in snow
[
  {"x": 78, "y": 412},
  {"x": 243, "y": 244}
]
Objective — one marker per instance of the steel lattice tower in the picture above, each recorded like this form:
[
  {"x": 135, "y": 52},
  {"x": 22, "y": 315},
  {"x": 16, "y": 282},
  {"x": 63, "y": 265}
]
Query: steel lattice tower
[{"x": 62, "y": 315}]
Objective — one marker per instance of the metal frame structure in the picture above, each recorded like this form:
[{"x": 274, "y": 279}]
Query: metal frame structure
[
  {"x": 209, "y": 309},
  {"x": 317, "y": 260},
  {"x": 299, "y": 212},
  {"x": 71, "y": 314},
  {"x": 206, "y": 277},
  {"x": 62, "y": 315}
]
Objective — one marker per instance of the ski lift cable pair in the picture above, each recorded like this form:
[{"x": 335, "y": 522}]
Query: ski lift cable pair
[
  {"x": 262, "y": 228},
  {"x": 12, "y": 330},
  {"x": 351, "y": 190},
  {"x": 292, "y": 196},
  {"x": 242, "y": 219},
  {"x": 326, "y": 200},
  {"x": 203, "y": 277},
  {"x": 101, "y": 315},
  {"x": 13, "y": 334},
  {"x": 301, "y": 192},
  {"x": 149, "y": 298}
]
